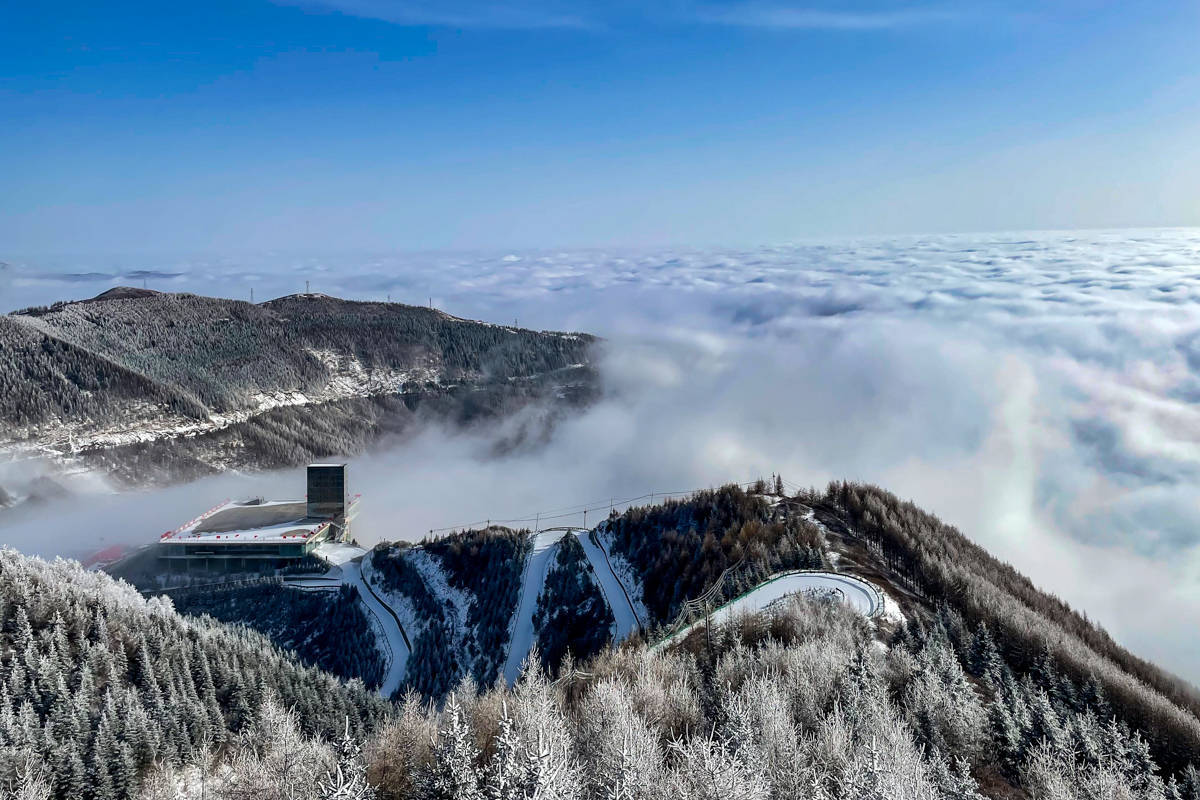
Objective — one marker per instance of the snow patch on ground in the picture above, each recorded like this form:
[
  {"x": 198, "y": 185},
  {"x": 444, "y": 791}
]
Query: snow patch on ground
[
  {"x": 338, "y": 553},
  {"x": 459, "y": 601},
  {"x": 891, "y": 610}
]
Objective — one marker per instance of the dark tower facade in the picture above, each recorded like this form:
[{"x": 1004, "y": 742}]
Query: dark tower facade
[{"x": 326, "y": 490}]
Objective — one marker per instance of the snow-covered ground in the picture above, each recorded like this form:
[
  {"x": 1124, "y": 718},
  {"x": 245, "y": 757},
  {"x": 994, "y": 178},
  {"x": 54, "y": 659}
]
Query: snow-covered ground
[
  {"x": 346, "y": 562},
  {"x": 855, "y": 592},
  {"x": 626, "y": 575},
  {"x": 430, "y": 567},
  {"x": 626, "y": 618},
  {"x": 391, "y": 639},
  {"x": 533, "y": 578},
  {"x": 338, "y": 553}
]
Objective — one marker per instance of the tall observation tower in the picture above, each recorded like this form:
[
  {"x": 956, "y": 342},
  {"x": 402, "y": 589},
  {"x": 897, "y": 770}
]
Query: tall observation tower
[{"x": 326, "y": 490}]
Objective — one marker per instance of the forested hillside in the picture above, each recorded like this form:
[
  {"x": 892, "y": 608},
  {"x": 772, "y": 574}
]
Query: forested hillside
[
  {"x": 975, "y": 683},
  {"x": 572, "y": 616},
  {"x": 457, "y": 594},
  {"x": 132, "y": 369},
  {"x": 98, "y": 684},
  {"x": 811, "y": 702},
  {"x": 1032, "y": 629},
  {"x": 328, "y": 630},
  {"x": 679, "y": 548}
]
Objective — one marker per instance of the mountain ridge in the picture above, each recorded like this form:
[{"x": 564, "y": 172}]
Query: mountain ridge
[
  {"x": 939, "y": 698},
  {"x": 133, "y": 367}
]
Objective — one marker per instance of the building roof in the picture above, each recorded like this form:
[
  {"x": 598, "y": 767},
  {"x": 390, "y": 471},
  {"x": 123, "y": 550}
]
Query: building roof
[{"x": 251, "y": 522}]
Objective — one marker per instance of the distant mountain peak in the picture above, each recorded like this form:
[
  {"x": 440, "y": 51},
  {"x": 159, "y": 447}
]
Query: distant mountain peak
[{"x": 124, "y": 293}]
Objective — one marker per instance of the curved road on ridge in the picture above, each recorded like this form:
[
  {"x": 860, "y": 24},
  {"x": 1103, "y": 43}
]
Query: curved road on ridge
[
  {"x": 855, "y": 592},
  {"x": 346, "y": 567}
]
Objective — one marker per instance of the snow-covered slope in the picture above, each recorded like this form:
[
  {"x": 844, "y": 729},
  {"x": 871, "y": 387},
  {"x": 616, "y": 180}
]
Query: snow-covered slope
[
  {"x": 533, "y": 578},
  {"x": 347, "y": 567},
  {"x": 133, "y": 369},
  {"x": 615, "y": 593}
]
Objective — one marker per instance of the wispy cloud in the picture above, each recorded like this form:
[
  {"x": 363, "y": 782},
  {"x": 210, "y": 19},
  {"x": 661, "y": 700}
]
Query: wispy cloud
[
  {"x": 520, "y": 15},
  {"x": 788, "y": 17},
  {"x": 549, "y": 14}
]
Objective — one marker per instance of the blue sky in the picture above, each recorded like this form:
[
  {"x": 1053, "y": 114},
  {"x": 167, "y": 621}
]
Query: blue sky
[{"x": 387, "y": 124}]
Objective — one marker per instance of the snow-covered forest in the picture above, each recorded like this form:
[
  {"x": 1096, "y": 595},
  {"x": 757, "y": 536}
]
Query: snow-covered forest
[
  {"x": 329, "y": 630},
  {"x": 461, "y": 590},
  {"x": 99, "y": 685},
  {"x": 805, "y": 704},
  {"x": 680, "y": 547},
  {"x": 974, "y": 684}
]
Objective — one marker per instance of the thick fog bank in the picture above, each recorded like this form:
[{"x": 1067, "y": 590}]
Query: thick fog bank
[{"x": 1038, "y": 391}]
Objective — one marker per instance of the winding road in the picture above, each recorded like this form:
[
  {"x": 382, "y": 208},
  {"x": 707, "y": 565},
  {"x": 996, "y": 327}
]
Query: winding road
[
  {"x": 857, "y": 593},
  {"x": 346, "y": 567}
]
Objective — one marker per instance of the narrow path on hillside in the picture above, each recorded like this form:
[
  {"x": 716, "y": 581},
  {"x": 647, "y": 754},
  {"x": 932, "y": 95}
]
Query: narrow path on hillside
[
  {"x": 533, "y": 578},
  {"x": 393, "y": 635},
  {"x": 346, "y": 563},
  {"x": 611, "y": 587},
  {"x": 855, "y": 592}
]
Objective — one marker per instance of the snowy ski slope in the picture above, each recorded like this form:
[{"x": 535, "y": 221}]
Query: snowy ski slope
[
  {"x": 611, "y": 587},
  {"x": 537, "y": 564}
]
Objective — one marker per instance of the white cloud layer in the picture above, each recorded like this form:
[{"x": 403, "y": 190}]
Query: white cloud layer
[{"x": 1039, "y": 391}]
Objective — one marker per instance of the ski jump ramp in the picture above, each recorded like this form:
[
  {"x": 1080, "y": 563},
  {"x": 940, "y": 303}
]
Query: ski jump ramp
[{"x": 537, "y": 565}]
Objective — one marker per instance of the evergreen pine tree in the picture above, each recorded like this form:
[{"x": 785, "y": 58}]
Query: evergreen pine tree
[
  {"x": 507, "y": 774},
  {"x": 348, "y": 778},
  {"x": 1093, "y": 697},
  {"x": 1006, "y": 736},
  {"x": 454, "y": 775},
  {"x": 1189, "y": 783},
  {"x": 103, "y": 759},
  {"x": 984, "y": 659}
]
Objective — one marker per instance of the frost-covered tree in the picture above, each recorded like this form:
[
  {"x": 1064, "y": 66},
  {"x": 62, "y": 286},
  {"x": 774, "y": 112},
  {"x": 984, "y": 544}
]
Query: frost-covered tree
[
  {"x": 706, "y": 768},
  {"x": 455, "y": 771},
  {"x": 347, "y": 780},
  {"x": 100, "y": 685}
]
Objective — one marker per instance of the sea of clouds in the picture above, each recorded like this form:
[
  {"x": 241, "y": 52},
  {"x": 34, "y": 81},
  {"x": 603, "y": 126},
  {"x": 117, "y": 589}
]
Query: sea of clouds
[{"x": 1037, "y": 390}]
